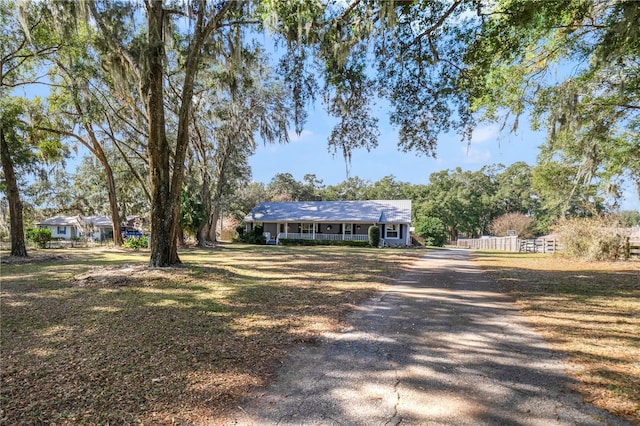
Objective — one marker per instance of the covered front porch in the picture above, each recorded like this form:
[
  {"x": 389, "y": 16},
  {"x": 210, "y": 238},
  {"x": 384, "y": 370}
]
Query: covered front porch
[{"x": 274, "y": 232}]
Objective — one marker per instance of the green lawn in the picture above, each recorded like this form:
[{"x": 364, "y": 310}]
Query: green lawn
[{"x": 93, "y": 336}]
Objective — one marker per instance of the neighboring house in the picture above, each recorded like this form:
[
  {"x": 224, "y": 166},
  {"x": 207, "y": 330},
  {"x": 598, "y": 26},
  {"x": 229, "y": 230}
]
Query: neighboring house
[
  {"x": 333, "y": 220},
  {"x": 65, "y": 227},
  {"x": 94, "y": 228}
]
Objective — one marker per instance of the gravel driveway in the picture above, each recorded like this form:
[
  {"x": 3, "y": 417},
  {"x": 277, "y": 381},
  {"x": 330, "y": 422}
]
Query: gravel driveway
[{"x": 441, "y": 346}]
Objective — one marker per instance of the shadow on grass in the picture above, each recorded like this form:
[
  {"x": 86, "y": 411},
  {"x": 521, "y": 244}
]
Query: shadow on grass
[
  {"x": 440, "y": 346},
  {"x": 85, "y": 340},
  {"x": 588, "y": 310}
]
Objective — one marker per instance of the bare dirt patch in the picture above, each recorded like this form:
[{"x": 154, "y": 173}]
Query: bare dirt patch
[
  {"x": 125, "y": 275},
  {"x": 588, "y": 310},
  {"x": 99, "y": 338},
  {"x": 33, "y": 257}
]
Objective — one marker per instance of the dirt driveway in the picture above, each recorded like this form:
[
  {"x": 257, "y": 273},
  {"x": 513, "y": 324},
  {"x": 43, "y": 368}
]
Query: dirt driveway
[{"x": 441, "y": 346}]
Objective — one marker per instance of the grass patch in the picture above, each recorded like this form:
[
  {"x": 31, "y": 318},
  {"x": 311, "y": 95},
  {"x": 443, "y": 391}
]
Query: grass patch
[
  {"x": 94, "y": 336},
  {"x": 588, "y": 310}
]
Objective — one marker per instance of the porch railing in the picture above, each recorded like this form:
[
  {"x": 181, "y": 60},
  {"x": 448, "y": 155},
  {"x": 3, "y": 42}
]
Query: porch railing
[{"x": 325, "y": 237}]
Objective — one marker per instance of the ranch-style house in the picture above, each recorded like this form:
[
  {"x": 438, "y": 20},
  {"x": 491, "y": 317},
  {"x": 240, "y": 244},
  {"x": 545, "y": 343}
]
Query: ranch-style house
[
  {"x": 94, "y": 228},
  {"x": 333, "y": 220}
]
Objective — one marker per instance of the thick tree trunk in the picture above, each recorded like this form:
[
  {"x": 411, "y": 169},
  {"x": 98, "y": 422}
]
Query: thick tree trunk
[
  {"x": 18, "y": 246},
  {"x": 166, "y": 188},
  {"x": 163, "y": 241}
]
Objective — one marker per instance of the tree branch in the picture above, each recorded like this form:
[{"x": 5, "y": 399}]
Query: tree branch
[{"x": 440, "y": 21}]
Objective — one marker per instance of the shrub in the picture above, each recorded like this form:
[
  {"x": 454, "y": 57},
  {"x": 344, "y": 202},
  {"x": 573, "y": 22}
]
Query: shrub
[
  {"x": 136, "y": 243},
  {"x": 39, "y": 236},
  {"x": 432, "y": 230},
  {"x": 523, "y": 225},
  {"x": 374, "y": 236},
  {"x": 255, "y": 236},
  {"x": 592, "y": 238}
]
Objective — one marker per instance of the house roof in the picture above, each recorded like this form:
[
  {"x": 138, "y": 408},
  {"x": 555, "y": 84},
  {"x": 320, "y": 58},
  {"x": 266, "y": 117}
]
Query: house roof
[
  {"x": 371, "y": 211},
  {"x": 59, "y": 221},
  {"x": 100, "y": 221}
]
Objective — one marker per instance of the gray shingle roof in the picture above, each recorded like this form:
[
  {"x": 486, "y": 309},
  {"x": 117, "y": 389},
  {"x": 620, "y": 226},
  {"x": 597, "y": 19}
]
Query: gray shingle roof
[
  {"x": 371, "y": 211},
  {"x": 102, "y": 221},
  {"x": 59, "y": 221}
]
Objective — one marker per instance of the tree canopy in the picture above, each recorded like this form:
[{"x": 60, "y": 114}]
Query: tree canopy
[{"x": 165, "y": 83}]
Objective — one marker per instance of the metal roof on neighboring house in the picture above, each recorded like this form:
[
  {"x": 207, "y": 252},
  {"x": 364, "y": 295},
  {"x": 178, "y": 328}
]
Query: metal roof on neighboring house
[
  {"x": 59, "y": 221},
  {"x": 370, "y": 211},
  {"x": 100, "y": 221}
]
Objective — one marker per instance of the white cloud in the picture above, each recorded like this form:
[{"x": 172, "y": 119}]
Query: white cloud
[
  {"x": 304, "y": 135},
  {"x": 476, "y": 156},
  {"x": 485, "y": 134}
]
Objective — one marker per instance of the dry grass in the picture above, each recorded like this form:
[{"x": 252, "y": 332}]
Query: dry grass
[
  {"x": 589, "y": 310},
  {"x": 96, "y": 337}
]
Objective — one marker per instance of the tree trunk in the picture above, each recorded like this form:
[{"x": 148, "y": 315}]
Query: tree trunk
[
  {"x": 201, "y": 236},
  {"x": 163, "y": 242},
  {"x": 18, "y": 246},
  {"x": 113, "y": 203},
  {"x": 111, "y": 187},
  {"x": 211, "y": 230},
  {"x": 166, "y": 188},
  {"x": 215, "y": 217}
]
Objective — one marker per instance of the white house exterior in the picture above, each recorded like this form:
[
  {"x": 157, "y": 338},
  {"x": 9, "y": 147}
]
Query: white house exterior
[
  {"x": 62, "y": 227},
  {"x": 334, "y": 220},
  {"x": 93, "y": 228}
]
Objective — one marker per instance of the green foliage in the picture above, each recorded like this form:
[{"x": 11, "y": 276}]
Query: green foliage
[
  {"x": 30, "y": 149},
  {"x": 629, "y": 218},
  {"x": 255, "y": 236},
  {"x": 192, "y": 210},
  {"x": 462, "y": 200},
  {"x": 561, "y": 194},
  {"x": 374, "y": 236},
  {"x": 39, "y": 236},
  {"x": 136, "y": 242},
  {"x": 432, "y": 229},
  {"x": 305, "y": 242},
  {"x": 591, "y": 111}
]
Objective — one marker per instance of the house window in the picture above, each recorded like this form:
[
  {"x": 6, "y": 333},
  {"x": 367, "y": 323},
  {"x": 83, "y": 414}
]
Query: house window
[
  {"x": 307, "y": 228},
  {"x": 348, "y": 228},
  {"x": 62, "y": 230},
  {"x": 391, "y": 231}
]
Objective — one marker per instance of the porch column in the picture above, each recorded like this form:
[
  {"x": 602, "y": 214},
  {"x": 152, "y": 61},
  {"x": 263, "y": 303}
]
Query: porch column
[
  {"x": 314, "y": 230},
  {"x": 343, "y": 226},
  {"x": 286, "y": 229}
]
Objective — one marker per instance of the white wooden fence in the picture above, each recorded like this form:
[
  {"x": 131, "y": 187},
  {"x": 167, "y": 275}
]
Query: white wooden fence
[
  {"x": 532, "y": 245},
  {"x": 535, "y": 245}
]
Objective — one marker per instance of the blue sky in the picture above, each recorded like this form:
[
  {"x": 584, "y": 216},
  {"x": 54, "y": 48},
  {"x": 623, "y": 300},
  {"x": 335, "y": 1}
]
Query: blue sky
[{"x": 308, "y": 153}]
